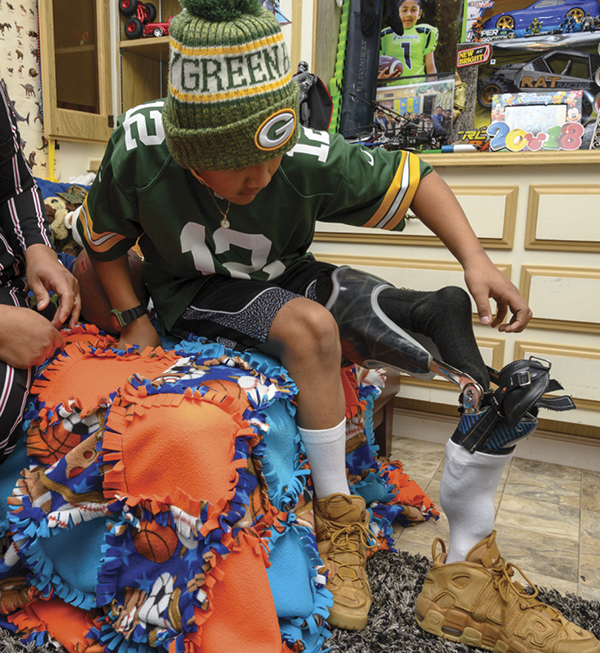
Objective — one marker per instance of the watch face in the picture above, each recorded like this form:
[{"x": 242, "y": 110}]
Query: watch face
[
  {"x": 129, "y": 315},
  {"x": 119, "y": 316}
]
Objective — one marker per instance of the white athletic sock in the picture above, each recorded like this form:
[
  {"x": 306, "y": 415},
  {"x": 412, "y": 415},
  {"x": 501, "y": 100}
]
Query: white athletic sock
[
  {"x": 326, "y": 453},
  {"x": 467, "y": 491}
]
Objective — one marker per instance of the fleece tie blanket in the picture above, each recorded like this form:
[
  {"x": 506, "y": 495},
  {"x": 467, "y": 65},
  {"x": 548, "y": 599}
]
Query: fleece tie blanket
[{"x": 162, "y": 502}]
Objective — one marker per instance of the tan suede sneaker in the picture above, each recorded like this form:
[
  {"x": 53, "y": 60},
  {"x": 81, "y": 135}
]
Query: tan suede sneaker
[
  {"x": 476, "y": 602},
  {"x": 342, "y": 530}
]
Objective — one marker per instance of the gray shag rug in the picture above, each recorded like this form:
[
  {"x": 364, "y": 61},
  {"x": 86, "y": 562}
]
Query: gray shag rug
[{"x": 396, "y": 581}]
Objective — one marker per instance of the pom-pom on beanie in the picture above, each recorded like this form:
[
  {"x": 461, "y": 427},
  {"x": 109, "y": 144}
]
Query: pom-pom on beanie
[{"x": 232, "y": 101}]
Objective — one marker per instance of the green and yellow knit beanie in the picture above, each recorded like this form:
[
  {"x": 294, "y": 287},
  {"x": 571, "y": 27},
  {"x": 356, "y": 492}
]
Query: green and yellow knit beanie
[{"x": 232, "y": 102}]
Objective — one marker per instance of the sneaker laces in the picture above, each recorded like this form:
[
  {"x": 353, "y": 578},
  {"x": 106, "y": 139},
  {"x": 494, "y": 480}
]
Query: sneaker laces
[
  {"x": 502, "y": 576},
  {"x": 349, "y": 538}
]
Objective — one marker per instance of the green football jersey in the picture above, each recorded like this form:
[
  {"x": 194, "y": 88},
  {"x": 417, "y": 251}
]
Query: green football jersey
[
  {"x": 141, "y": 193},
  {"x": 410, "y": 49}
]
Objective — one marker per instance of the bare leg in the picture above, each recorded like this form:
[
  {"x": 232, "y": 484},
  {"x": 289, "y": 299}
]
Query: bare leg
[{"x": 304, "y": 336}]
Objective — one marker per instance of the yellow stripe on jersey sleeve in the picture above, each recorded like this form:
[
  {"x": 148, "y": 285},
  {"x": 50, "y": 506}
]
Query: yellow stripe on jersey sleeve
[
  {"x": 399, "y": 195},
  {"x": 98, "y": 242}
]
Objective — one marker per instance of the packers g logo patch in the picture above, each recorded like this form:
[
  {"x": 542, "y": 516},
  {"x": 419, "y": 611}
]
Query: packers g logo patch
[{"x": 276, "y": 130}]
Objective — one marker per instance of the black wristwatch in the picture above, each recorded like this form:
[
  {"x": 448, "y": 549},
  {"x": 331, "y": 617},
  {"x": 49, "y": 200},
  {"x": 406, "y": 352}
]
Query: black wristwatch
[{"x": 129, "y": 315}]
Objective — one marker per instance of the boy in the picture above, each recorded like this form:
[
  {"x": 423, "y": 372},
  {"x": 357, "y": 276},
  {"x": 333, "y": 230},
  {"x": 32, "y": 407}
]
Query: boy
[{"x": 223, "y": 192}]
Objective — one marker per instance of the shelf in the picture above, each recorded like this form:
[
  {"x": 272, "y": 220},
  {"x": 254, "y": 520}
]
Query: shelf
[
  {"x": 583, "y": 157},
  {"x": 69, "y": 50},
  {"x": 154, "y": 48}
]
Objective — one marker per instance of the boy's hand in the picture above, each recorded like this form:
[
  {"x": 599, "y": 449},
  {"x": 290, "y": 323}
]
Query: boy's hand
[
  {"x": 485, "y": 281},
  {"x": 140, "y": 332},
  {"x": 46, "y": 273}
]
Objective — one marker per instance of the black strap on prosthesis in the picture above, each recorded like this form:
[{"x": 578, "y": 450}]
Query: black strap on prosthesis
[{"x": 521, "y": 389}]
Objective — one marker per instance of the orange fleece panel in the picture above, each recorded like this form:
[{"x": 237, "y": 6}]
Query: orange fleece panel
[
  {"x": 89, "y": 378},
  {"x": 65, "y": 623},
  {"x": 190, "y": 445},
  {"x": 244, "y": 619}
]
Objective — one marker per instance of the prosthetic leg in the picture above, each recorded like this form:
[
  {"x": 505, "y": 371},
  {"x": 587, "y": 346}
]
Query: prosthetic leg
[
  {"x": 372, "y": 339},
  {"x": 490, "y": 420},
  {"x": 468, "y": 595}
]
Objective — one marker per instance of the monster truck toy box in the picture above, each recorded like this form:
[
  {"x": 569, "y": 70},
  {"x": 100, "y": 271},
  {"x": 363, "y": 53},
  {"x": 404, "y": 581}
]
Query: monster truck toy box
[{"x": 514, "y": 67}]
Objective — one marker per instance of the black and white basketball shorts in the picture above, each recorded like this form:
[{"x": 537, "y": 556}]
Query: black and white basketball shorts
[{"x": 239, "y": 313}]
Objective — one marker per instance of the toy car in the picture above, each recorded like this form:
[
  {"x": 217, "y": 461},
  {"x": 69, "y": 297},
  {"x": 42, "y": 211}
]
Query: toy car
[
  {"x": 557, "y": 68},
  {"x": 141, "y": 13},
  {"x": 157, "y": 29},
  {"x": 550, "y": 13}
]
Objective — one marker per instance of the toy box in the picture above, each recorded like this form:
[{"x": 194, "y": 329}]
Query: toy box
[
  {"x": 487, "y": 21},
  {"x": 563, "y": 67}
]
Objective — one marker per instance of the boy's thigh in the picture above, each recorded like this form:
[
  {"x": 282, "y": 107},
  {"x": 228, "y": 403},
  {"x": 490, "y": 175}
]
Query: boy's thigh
[{"x": 239, "y": 313}]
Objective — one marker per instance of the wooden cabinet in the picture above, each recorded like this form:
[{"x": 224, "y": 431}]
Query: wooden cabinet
[
  {"x": 75, "y": 57},
  {"x": 145, "y": 61}
]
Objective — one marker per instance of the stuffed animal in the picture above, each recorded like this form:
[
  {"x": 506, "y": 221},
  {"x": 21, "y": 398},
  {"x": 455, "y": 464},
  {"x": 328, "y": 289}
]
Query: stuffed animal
[{"x": 57, "y": 211}]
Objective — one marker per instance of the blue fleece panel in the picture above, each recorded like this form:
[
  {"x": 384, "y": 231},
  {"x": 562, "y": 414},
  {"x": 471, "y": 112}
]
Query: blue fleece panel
[
  {"x": 281, "y": 452},
  {"x": 76, "y": 553},
  {"x": 14, "y": 464},
  {"x": 289, "y": 578}
]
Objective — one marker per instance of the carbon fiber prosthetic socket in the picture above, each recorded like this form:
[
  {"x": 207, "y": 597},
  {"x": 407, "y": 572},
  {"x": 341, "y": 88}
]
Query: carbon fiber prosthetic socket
[
  {"x": 368, "y": 336},
  {"x": 375, "y": 319}
]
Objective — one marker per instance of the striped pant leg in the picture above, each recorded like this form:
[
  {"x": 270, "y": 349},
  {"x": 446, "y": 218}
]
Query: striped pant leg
[{"x": 14, "y": 389}]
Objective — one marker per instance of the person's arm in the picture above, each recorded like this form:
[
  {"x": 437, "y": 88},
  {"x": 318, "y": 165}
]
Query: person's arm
[
  {"x": 437, "y": 207},
  {"x": 430, "y": 63},
  {"x": 116, "y": 281},
  {"x": 24, "y": 222}
]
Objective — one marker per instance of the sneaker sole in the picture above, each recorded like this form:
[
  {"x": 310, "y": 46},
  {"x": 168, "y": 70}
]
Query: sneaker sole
[
  {"x": 347, "y": 621},
  {"x": 434, "y": 622}
]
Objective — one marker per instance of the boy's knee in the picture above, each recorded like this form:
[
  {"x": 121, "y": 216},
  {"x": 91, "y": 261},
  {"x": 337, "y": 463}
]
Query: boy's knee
[
  {"x": 313, "y": 332},
  {"x": 320, "y": 330}
]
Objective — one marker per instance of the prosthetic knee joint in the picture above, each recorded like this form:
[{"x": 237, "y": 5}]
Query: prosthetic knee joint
[{"x": 372, "y": 339}]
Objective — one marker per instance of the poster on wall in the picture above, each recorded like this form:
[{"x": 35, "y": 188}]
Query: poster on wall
[
  {"x": 20, "y": 71},
  {"x": 420, "y": 38}
]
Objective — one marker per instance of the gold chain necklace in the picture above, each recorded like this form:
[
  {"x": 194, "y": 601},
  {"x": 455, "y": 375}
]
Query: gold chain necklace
[
  {"x": 212, "y": 194},
  {"x": 224, "y": 220}
]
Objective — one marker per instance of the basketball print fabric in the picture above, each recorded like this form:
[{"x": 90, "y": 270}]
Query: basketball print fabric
[{"x": 164, "y": 503}]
